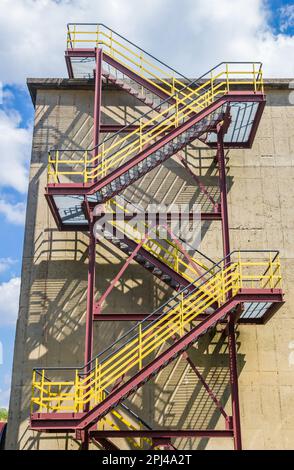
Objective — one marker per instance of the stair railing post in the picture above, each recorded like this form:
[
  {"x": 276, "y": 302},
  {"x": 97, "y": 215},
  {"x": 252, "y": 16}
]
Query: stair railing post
[
  {"x": 42, "y": 389},
  {"x": 76, "y": 392},
  {"x": 227, "y": 78},
  {"x": 85, "y": 166},
  {"x": 271, "y": 271},
  {"x": 240, "y": 270},
  {"x": 182, "y": 315},
  {"x": 74, "y": 36},
  {"x": 140, "y": 346},
  {"x": 33, "y": 390},
  {"x": 140, "y": 134},
  {"x": 254, "y": 77},
  {"x": 97, "y": 103},
  {"x": 56, "y": 165}
]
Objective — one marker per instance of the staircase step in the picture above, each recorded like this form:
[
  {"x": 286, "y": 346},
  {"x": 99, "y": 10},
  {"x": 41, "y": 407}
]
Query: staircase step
[
  {"x": 148, "y": 265},
  {"x": 129, "y": 89},
  {"x": 157, "y": 271}
]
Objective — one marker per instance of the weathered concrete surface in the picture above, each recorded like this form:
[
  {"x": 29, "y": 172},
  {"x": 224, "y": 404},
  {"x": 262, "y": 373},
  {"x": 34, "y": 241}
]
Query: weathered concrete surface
[{"x": 51, "y": 322}]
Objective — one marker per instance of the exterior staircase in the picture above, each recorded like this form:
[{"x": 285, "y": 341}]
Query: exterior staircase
[
  {"x": 164, "y": 258},
  {"x": 129, "y": 362},
  {"x": 68, "y": 399}
]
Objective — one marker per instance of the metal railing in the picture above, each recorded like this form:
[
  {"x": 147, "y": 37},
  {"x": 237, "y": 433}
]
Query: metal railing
[
  {"x": 127, "y": 354},
  {"x": 149, "y": 128},
  {"x": 165, "y": 249}
]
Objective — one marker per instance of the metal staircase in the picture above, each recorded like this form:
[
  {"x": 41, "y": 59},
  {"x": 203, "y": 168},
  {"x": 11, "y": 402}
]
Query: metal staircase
[
  {"x": 139, "y": 93},
  {"x": 223, "y": 109},
  {"x": 128, "y": 362},
  {"x": 166, "y": 259}
]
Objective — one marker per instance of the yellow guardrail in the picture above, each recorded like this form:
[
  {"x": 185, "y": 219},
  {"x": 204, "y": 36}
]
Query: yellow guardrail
[
  {"x": 73, "y": 395},
  {"x": 127, "y": 54},
  {"x": 111, "y": 420},
  {"x": 171, "y": 254},
  {"x": 131, "y": 56},
  {"x": 188, "y": 100}
]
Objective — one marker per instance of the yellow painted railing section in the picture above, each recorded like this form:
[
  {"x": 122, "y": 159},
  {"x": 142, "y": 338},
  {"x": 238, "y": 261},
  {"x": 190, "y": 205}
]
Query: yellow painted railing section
[
  {"x": 116, "y": 420},
  {"x": 89, "y": 168},
  {"x": 161, "y": 77},
  {"x": 170, "y": 254},
  {"x": 73, "y": 395}
]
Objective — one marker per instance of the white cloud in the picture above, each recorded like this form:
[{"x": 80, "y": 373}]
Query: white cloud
[
  {"x": 14, "y": 213},
  {"x": 6, "y": 263},
  {"x": 9, "y": 294},
  {"x": 287, "y": 17},
  {"x": 192, "y": 35},
  {"x": 15, "y": 148}
]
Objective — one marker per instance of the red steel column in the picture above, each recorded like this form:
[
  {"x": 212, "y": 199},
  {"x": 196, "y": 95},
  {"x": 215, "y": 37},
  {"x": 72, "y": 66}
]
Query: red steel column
[
  {"x": 231, "y": 326},
  {"x": 92, "y": 240},
  {"x": 234, "y": 384},
  {"x": 89, "y": 316},
  {"x": 223, "y": 195},
  {"x": 90, "y": 297}
]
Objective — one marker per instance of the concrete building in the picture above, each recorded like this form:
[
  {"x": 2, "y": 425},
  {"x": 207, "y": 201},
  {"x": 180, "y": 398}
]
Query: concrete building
[{"x": 51, "y": 321}]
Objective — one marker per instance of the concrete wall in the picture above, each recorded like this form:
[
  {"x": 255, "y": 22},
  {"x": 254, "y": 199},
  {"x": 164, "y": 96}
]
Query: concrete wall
[{"x": 51, "y": 322}]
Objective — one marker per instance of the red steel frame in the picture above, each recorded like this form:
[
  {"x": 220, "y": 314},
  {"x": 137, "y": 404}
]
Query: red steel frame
[
  {"x": 231, "y": 328},
  {"x": 85, "y": 430}
]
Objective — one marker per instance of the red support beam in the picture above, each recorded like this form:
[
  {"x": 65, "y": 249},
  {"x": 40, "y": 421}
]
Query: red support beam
[
  {"x": 231, "y": 318},
  {"x": 200, "y": 185},
  {"x": 163, "y": 433},
  {"x": 105, "y": 443},
  {"x": 98, "y": 305},
  {"x": 90, "y": 299},
  {"x": 69, "y": 65},
  {"x": 234, "y": 384},
  {"x": 206, "y": 386},
  {"x": 89, "y": 316},
  {"x": 223, "y": 195},
  {"x": 92, "y": 240}
]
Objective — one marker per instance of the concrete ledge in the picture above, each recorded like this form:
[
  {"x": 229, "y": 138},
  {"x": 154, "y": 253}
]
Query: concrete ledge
[{"x": 35, "y": 84}]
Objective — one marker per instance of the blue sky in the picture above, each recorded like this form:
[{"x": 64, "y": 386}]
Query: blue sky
[
  {"x": 280, "y": 16},
  {"x": 199, "y": 35}
]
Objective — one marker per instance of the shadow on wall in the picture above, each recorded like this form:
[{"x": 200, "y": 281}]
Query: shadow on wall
[
  {"x": 50, "y": 329},
  {"x": 176, "y": 399},
  {"x": 64, "y": 119}
]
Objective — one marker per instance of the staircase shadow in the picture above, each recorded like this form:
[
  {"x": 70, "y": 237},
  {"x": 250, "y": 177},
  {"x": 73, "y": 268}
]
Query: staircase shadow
[{"x": 176, "y": 399}]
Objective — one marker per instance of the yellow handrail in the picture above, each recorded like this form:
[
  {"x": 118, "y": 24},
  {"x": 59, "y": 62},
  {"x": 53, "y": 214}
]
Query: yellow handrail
[
  {"x": 137, "y": 62},
  {"x": 172, "y": 256},
  {"x": 187, "y": 101},
  {"x": 129, "y": 357},
  {"x": 120, "y": 150},
  {"x": 109, "y": 422}
]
